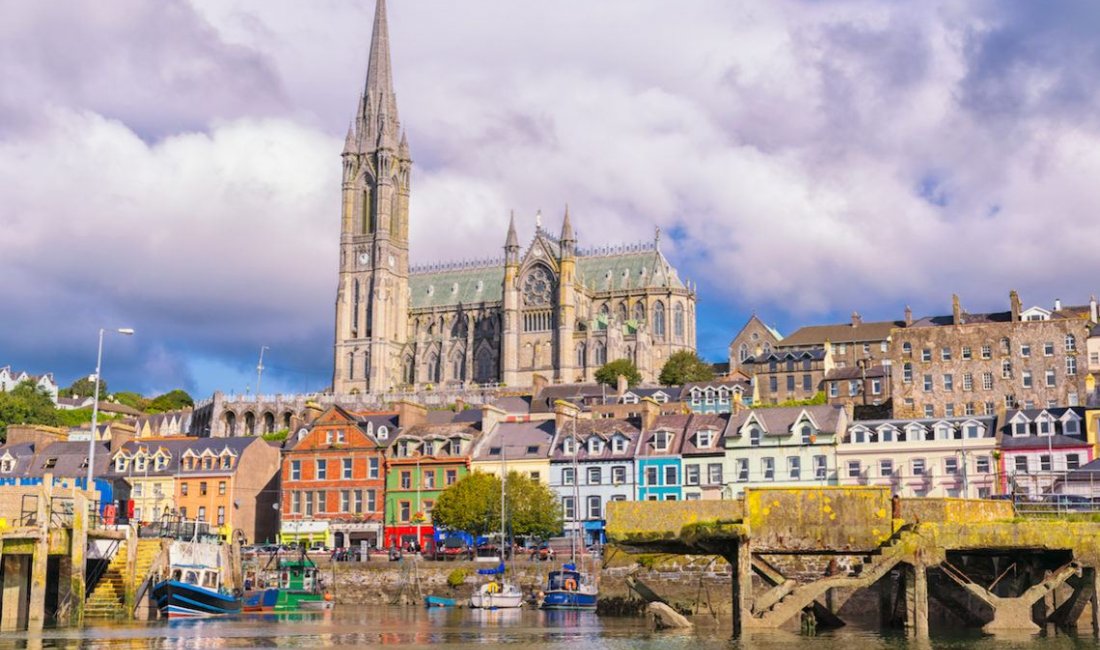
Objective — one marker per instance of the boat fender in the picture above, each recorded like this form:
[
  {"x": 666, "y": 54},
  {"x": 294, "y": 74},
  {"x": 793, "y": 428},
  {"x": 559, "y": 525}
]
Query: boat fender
[
  {"x": 493, "y": 588},
  {"x": 328, "y": 596},
  {"x": 570, "y": 584}
]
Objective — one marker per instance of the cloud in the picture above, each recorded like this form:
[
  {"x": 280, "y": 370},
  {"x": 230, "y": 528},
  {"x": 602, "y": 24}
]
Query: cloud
[{"x": 178, "y": 163}]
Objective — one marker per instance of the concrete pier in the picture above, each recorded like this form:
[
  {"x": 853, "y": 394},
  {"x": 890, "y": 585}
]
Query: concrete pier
[{"x": 795, "y": 552}]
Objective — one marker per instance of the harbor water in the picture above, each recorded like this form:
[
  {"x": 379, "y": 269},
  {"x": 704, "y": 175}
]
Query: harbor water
[{"x": 368, "y": 627}]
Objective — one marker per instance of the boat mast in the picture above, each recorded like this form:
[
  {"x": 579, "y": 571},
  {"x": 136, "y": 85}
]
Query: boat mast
[
  {"x": 576, "y": 489},
  {"x": 503, "y": 484}
]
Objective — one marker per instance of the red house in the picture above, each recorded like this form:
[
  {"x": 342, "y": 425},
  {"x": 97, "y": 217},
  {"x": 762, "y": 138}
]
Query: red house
[{"x": 333, "y": 479}]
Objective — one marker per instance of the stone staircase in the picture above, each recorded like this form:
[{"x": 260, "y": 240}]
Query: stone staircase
[{"x": 108, "y": 599}]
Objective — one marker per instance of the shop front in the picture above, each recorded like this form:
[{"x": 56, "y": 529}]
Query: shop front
[
  {"x": 403, "y": 536},
  {"x": 309, "y": 533},
  {"x": 356, "y": 534}
]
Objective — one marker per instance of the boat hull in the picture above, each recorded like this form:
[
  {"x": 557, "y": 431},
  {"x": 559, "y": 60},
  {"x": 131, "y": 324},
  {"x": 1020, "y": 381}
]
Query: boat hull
[
  {"x": 502, "y": 600},
  {"x": 180, "y": 600},
  {"x": 569, "y": 600},
  {"x": 439, "y": 601},
  {"x": 285, "y": 600}
]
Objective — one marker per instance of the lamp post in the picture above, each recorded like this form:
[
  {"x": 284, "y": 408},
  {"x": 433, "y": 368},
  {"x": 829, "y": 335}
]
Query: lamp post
[{"x": 126, "y": 331}]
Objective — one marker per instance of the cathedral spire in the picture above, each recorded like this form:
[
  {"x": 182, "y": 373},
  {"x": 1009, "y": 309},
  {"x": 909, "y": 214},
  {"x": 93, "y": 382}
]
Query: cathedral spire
[
  {"x": 567, "y": 227},
  {"x": 349, "y": 140},
  {"x": 379, "y": 105},
  {"x": 511, "y": 244}
]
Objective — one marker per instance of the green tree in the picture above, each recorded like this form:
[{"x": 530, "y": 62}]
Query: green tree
[
  {"x": 173, "y": 400},
  {"x": 131, "y": 399},
  {"x": 26, "y": 404},
  {"x": 472, "y": 505},
  {"x": 685, "y": 366},
  {"x": 85, "y": 387},
  {"x": 533, "y": 508},
  {"x": 610, "y": 371}
]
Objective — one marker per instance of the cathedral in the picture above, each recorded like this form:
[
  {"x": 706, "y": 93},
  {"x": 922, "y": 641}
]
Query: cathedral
[{"x": 549, "y": 308}]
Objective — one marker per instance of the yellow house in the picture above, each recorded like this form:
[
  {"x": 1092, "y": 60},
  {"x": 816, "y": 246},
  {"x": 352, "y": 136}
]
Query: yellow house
[
  {"x": 1092, "y": 419},
  {"x": 152, "y": 486},
  {"x": 519, "y": 443}
]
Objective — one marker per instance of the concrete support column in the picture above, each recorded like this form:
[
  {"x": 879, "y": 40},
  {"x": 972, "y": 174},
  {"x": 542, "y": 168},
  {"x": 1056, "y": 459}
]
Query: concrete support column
[
  {"x": 1094, "y": 602},
  {"x": 916, "y": 601},
  {"x": 13, "y": 614},
  {"x": 36, "y": 616},
  {"x": 886, "y": 601},
  {"x": 77, "y": 560},
  {"x": 742, "y": 586}
]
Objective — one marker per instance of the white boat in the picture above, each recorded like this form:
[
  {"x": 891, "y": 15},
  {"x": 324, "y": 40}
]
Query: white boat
[
  {"x": 499, "y": 592},
  {"x": 497, "y": 595}
]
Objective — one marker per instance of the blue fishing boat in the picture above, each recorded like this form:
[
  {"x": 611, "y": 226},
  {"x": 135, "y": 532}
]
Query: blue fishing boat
[
  {"x": 439, "y": 601},
  {"x": 569, "y": 589},
  {"x": 194, "y": 590}
]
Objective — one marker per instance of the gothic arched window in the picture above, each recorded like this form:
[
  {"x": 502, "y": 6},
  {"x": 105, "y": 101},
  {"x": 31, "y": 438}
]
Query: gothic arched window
[
  {"x": 485, "y": 370},
  {"x": 409, "y": 370},
  {"x": 622, "y": 312},
  {"x": 458, "y": 366},
  {"x": 581, "y": 359},
  {"x": 659, "y": 319},
  {"x": 433, "y": 367},
  {"x": 678, "y": 322},
  {"x": 351, "y": 365},
  {"x": 601, "y": 353},
  {"x": 743, "y": 353},
  {"x": 639, "y": 311},
  {"x": 605, "y": 316}
]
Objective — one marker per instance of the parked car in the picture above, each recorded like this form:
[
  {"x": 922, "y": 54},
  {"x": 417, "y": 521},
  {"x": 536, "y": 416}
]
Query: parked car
[
  {"x": 542, "y": 551},
  {"x": 455, "y": 548}
]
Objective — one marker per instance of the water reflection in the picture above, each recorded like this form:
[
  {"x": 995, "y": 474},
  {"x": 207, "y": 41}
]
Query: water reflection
[{"x": 463, "y": 628}]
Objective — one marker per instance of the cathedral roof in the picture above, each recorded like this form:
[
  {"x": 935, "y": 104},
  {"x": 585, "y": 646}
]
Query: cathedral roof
[{"x": 600, "y": 269}]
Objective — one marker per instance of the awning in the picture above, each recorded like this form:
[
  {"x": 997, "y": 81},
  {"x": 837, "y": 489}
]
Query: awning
[{"x": 594, "y": 525}]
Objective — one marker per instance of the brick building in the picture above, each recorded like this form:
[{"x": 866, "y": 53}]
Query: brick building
[
  {"x": 980, "y": 364},
  {"x": 334, "y": 479}
]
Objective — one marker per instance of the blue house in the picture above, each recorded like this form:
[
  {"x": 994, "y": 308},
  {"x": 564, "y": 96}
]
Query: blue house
[{"x": 658, "y": 458}]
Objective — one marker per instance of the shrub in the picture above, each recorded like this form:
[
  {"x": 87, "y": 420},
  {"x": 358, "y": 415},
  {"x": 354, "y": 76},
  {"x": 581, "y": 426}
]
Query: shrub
[{"x": 456, "y": 578}]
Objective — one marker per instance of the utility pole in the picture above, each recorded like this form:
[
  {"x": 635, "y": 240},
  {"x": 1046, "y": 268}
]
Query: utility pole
[{"x": 260, "y": 369}]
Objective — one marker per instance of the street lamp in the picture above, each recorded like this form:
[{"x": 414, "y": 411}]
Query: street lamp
[{"x": 125, "y": 331}]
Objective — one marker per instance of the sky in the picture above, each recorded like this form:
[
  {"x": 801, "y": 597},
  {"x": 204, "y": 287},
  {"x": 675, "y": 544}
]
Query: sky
[{"x": 174, "y": 166}]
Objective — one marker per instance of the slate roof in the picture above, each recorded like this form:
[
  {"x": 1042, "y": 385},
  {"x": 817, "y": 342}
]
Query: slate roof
[
  {"x": 702, "y": 385},
  {"x": 779, "y": 420},
  {"x": 176, "y": 447},
  {"x": 514, "y": 404},
  {"x": 967, "y": 319},
  {"x": 673, "y": 392},
  {"x": 70, "y": 459},
  {"x": 1035, "y": 441},
  {"x": 672, "y": 423},
  {"x": 704, "y": 421},
  {"x": 816, "y": 335},
  {"x": 518, "y": 440},
  {"x": 450, "y": 285},
  {"x": 22, "y": 453},
  {"x": 814, "y": 354},
  {"x": 590, "y": 393},
  {"x": 605, "y": 428},
  {"x": 990, "y": 422}
]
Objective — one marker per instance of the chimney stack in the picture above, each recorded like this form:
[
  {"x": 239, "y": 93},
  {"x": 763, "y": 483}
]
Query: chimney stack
[
  {"x": 956, "y": 310},
  {"x": 1094, "y": 314},
  {"x": 491, "y": 416},
  {"x": 908, "y": 316},
  {"x": 856, "y": 320},
  {"x": 1014, "y": 300},
  {"x": 564, "y": 412},
  {"x": 1057, "y": 304},
  {"x": 621, "y": 386},
  {"x": 410, "y": 413},
  {"x": 650, "y": 410}
]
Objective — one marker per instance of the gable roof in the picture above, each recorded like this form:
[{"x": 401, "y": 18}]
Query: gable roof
[
  {"x": 816, "y": 335},
  {"x": 779, "y": 420},
  {"x": 516, "y": 440}
]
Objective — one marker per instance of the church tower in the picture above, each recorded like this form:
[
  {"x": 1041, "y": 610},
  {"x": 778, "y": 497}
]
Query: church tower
[{"x": 372, "y": 299}]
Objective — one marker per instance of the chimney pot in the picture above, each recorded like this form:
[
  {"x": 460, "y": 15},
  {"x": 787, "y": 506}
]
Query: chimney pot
[
  {"x": 1057, "y": 304},
  {"x": 856, "y": 320}
]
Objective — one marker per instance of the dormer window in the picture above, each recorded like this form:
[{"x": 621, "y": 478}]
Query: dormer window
[
  {"x": 383, "y": 433},
  {"x": 807, "y": 431},
  {"x": 886, "y": 434},
  {"x": 1044, "y": 425},
  {"x": 859, "y": 436},
  {"x": 943, "y": 432},
  {"x": 695, "y": 396},
  {"x": 7, "y": 465},
  {"x": 567, "y": 447},
  {"x": 754, "y": 436},
  {"x": 139, "y": 464},
  {"x": 630, "y": 398},
  {"x": 595, "y": 446},
  {"x": 162, "y": 461},
  {"x": 704, "y": 438},
  {"x": 1019, "y": 427},
  {"x": 1070, "y": 425},
  {"x": 972, "y": 430},
  {"x": 662, "y": 440},
  {"x": 618, "y": 445},
  {"x": 50, "y": 463}
]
